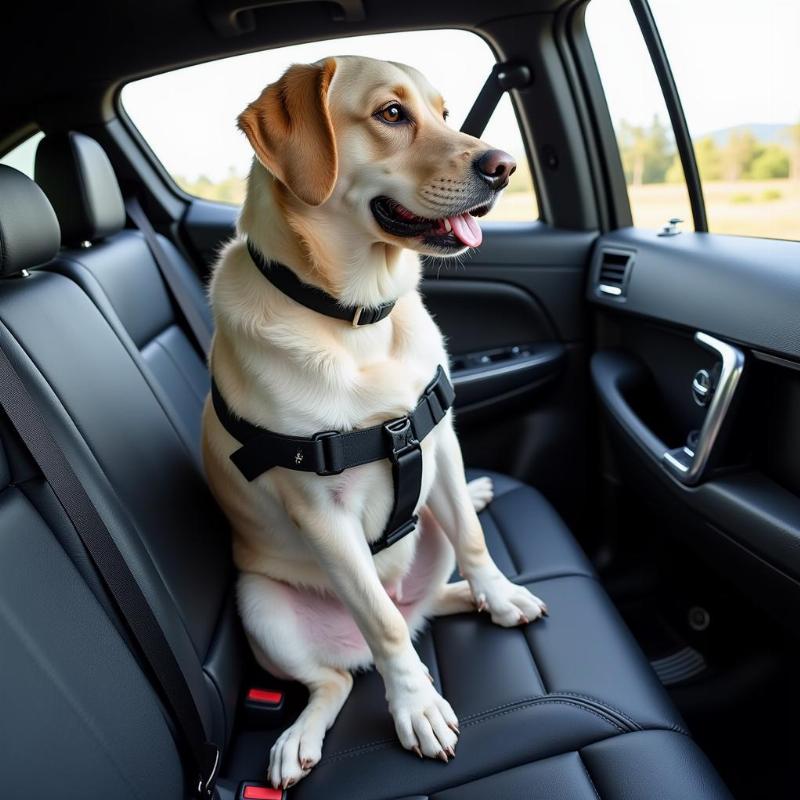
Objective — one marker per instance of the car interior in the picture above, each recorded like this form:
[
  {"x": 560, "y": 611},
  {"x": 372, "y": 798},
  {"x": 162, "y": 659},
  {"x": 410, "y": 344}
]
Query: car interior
[{"x": 633, "y": 392}]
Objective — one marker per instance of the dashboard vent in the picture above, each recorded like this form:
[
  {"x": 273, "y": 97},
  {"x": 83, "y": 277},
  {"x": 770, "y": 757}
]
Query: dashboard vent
[{"x": 614, "y": 272}]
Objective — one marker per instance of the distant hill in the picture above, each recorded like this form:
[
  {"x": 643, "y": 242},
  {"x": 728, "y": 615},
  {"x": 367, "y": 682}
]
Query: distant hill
[{"x": 764, "y": 132}]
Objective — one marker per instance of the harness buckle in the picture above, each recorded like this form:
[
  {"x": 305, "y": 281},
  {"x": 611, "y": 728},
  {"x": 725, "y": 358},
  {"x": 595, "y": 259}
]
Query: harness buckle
[
  {"x": 402, "y": 436},
  {"x": 332, "y": 456}
]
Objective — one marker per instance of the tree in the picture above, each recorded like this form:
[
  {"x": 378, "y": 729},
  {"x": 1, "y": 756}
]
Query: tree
[
  {"x": 633, "y": 149},
  {"x": 709, "y": 162},
  {"x": 772, "y": 162},
  {"x": 646, "y": 152},
  {"x": 740, "y": 151}
]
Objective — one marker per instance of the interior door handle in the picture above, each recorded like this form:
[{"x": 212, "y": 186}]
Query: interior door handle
[{"x": 689, "y": 465}]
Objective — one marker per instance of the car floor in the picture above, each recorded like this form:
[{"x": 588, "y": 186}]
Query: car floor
[{"x": 723, "y": 660}]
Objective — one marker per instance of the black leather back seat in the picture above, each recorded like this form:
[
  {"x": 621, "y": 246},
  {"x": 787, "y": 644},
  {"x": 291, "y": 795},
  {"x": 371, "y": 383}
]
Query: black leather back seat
[
  {"x": 117, "y": 270},
  {"x": 566, "y": 707}
]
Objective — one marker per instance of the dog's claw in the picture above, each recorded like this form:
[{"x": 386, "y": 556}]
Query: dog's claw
[
  {"x": 307, "y": 763},
  {"x": 417, "y": 750},
  {"x": 545, "y": 611},
  {"x": 523, "y": 620},
  {"x": 453, "y": 727},
  {"x": 482, "y": 605},
  {"x": 450, "y": 751},
  {"x": 443, "y": 756}
]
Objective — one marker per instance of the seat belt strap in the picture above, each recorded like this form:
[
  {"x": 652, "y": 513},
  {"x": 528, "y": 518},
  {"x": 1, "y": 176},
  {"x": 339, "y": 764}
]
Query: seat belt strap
[
  {"x": 504, "y": 76},
  {"x": 330, "y": 452},
  {"x": 175, "y": 282},
  {"x": 126, "y": 594}
]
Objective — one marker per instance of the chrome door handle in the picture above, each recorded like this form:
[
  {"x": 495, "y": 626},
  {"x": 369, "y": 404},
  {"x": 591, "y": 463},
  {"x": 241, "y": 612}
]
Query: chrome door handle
[{"x": 689, "y": 466}]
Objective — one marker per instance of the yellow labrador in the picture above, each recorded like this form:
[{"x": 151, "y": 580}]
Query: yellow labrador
[{"x": 355, "y": 173}]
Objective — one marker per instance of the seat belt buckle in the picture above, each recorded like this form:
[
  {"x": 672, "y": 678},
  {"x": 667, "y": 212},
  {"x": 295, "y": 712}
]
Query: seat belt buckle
[
  {"x": 259, "y": 791},
  {"x": 207, "y": 780},
  {"x": 263, "y": 707}
]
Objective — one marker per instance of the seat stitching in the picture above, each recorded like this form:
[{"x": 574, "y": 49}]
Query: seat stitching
[
  {"x": 178, "y": 367},
  {"x": 625, "y": 717},
  {"x": 635, "y": 725},
  {"x": 588, "y": 775},
  {"x": 477, "y": 719},
  {"x": 535, "y": 665},
  {"x": 512, "y": 555},
  {"x": 528, "y": 578},
  {"x": 127, "y": 342}
]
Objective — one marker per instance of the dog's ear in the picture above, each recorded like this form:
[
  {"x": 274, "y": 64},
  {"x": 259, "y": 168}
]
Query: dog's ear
[{"x": 290, "y": 130}]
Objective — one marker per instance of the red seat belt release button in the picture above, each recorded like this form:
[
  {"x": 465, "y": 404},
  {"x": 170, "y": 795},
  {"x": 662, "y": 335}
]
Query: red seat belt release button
[
  {"x": 257, "y": 791},
  {"x": 265, "y": 697}
]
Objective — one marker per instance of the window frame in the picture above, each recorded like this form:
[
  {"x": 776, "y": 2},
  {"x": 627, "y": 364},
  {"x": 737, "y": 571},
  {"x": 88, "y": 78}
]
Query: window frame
[
  {"x": 537, "y": 215},
  {"x": 683, "y": 139},
  {"x": 608, "y": 166}
]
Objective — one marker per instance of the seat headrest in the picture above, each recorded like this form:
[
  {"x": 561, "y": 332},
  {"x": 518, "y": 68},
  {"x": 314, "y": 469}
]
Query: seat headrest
[
  {"x": 75, "y": 173},
  {"x": 29, "y": 233}
]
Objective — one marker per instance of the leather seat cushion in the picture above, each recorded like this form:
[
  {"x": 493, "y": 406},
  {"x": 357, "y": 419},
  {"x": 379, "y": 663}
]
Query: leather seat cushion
[
  {"x": 649, "y": 765},
  {"x": 521, "y": 694}
]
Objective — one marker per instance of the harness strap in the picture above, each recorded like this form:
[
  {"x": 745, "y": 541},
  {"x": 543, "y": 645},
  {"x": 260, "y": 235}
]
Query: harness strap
[{"x": 331, "y": 452}]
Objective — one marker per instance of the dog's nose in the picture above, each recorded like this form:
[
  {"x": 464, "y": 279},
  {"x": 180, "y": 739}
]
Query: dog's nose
[{"x": 495, "y": 167}]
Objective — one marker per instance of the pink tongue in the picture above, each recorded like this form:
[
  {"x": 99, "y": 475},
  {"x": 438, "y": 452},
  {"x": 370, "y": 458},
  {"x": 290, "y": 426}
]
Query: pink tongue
[{"x": 466, "y": 230}]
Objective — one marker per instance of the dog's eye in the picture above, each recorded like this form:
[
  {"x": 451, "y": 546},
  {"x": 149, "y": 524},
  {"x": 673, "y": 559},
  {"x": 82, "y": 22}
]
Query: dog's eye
[{"x": 393, "y": 113}]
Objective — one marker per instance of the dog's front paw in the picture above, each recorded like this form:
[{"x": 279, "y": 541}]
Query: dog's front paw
[
  {"x": 507, "y": 603},
  {"x": 481, "y": 492},
  {"x": 295, "y": 752},
  {"x": 424, "y": 720}
]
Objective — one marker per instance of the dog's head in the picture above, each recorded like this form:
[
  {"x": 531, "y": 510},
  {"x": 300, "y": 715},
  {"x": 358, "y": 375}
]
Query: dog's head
[{"x": 369, "y": 140}]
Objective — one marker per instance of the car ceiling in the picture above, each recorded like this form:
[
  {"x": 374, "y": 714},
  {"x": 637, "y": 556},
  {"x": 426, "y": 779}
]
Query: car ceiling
[{"x": 54, "y": 54}]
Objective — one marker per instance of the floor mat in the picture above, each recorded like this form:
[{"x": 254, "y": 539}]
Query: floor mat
[{"x": 680, "y": 666}]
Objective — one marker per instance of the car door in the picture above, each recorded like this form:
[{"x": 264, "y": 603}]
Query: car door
[{"x": 697, "y": 360}]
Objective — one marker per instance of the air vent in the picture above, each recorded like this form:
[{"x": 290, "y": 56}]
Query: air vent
[{"x": 614, "y": 272}]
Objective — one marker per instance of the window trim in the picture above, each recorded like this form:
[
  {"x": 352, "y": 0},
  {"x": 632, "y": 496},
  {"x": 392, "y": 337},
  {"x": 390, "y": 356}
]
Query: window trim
[{"x": 683, "y": 140}]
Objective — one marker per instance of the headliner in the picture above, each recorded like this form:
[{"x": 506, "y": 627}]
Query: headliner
[{"x": 52, "y": 53}]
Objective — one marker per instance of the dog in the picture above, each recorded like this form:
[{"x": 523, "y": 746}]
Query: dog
[{"x": 355, "y": 174}]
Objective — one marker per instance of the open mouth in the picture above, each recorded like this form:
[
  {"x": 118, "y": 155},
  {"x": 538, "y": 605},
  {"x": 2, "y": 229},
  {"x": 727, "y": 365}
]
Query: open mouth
[{"x": 447, "y": 233}]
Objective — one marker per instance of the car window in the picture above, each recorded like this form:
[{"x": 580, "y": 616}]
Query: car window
[
  {"x": 188, "y": 116},
  {"x": 736, "y": 68},
  {"x": 656, "y": 187},
  {"x": 23, "y": 156}
]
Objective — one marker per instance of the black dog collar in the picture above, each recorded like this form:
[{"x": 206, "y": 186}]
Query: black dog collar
[
  {"x": 281, "y": 277},
  {"x": 331, "y": 452}
]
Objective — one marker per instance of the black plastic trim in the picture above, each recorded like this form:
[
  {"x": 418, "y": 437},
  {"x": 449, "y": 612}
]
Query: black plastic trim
[{"x": 683, "y": 140}]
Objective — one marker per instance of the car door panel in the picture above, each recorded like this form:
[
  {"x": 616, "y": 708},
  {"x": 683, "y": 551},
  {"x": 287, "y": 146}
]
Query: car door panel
[{"x": 745, "y": 514}]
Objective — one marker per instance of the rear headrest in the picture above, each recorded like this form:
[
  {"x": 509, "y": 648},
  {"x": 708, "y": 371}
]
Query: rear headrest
[
  {"x": 29, "y": 234},
  {"x": 77, "y": 176}
]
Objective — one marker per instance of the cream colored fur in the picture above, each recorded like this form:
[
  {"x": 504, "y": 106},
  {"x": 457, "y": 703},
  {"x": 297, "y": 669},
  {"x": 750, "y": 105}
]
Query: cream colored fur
[{"x": 289, "y": 369}]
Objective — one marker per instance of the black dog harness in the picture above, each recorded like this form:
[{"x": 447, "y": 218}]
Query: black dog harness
[{"x": 332, "y": 452}]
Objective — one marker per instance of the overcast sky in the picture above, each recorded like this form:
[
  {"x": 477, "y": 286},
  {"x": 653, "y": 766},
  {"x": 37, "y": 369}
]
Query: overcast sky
[{"x": 734, "y": 61}]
